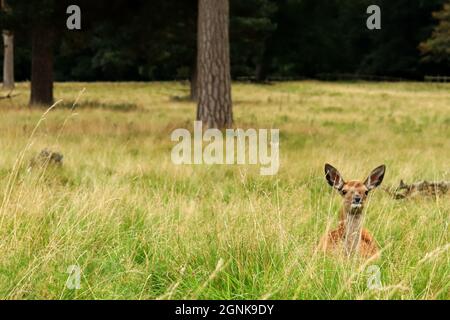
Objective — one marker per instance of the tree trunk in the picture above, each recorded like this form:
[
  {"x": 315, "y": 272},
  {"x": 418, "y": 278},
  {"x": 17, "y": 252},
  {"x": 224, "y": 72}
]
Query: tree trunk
[
  {"x": 42, "y": 66},
  {"x": 213, "y": 65},
  {"x": 8, "y": 60}
]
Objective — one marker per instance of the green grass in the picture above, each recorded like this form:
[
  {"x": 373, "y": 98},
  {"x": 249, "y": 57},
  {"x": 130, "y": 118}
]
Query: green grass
[{"x": 140, "y": 227}]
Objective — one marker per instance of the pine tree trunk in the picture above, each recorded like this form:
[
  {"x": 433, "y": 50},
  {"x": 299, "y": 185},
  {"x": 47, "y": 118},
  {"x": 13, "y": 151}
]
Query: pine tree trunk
[
  {"x": 42, "y": 66},
  {"x": 213, "y": 65},
  {"x": 8, "y": 60}
]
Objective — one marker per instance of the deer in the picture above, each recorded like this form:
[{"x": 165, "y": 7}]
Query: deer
[{"x": 350, "y": 237}]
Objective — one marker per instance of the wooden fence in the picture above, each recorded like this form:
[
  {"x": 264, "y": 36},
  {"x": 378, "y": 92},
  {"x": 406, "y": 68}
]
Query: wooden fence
[
  {"x": 328, "y": 77},
  {"x": 437, "y": 78}
]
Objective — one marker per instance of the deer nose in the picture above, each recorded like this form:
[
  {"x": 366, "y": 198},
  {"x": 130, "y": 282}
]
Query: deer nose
[{"x": 357, "y": 199}]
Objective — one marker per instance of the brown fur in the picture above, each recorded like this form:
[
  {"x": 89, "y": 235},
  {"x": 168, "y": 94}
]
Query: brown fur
[
  {"x": 350, "y": 237},
  {"x": 334, "y": 242}
]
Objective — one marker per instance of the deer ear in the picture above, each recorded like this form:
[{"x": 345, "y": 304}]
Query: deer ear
[
  {"x": 333, "y": 177},
  {"x": 375, "y": 177}
]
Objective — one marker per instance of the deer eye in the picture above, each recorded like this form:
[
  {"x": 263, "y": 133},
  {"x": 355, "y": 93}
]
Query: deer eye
[
  {"x": 366, "y": 192},
  {"x": 344, "y": 192}
]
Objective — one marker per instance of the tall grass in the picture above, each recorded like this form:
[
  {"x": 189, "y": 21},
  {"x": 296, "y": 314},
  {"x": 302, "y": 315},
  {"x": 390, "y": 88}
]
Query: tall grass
[{"x": 140, "y": 227}]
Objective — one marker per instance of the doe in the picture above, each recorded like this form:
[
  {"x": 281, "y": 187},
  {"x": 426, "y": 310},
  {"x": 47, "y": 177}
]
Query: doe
[{"x": 350, "y": 235}]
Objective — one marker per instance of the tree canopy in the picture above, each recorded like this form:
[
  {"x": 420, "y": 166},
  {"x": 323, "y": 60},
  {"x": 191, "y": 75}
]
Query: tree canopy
[
  {"x": 155, "y": 40},
  {"x": 437, "y": 48}
]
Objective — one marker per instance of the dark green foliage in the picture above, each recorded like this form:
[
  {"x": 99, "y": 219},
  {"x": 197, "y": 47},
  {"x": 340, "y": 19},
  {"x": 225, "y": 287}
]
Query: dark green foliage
[
  {"x": 252, "y": 23},
  {"x": 156, "y": 40},
  {"x": 395, "y": 49},
  {"x": 437, "y": 48}
]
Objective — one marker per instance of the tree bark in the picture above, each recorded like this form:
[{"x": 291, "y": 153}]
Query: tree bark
[
  {"x": 8, "y": 60},
  {"x": 42, "y": 66},
  {"x": 8, "y": 53},
  {"x": 214, "y": 107}
]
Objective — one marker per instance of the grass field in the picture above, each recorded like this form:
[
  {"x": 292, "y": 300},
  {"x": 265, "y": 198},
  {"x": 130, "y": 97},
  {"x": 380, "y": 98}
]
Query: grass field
[{"x": 140, "y": 227}]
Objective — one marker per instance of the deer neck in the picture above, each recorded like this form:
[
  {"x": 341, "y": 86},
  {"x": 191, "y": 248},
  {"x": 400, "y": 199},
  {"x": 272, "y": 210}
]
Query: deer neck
[{"x": 351, "y": 224}]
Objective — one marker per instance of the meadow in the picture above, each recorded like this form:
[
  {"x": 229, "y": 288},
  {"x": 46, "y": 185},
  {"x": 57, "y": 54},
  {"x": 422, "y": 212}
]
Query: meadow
[{"x": 140, "y": 227}]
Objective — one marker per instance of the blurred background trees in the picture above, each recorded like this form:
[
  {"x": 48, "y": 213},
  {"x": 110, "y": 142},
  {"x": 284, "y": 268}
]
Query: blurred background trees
[
  {"x": 156, "y": 40},
  {"x": 437, "y": 48},
  {"x": 8, "y": 52}
]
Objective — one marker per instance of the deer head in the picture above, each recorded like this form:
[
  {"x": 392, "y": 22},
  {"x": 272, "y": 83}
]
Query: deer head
[{"x": 354, "y": 192}]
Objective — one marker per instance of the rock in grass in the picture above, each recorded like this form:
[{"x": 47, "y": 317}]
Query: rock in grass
[{"x": 47, "y": 158}]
